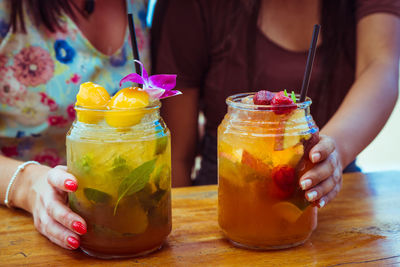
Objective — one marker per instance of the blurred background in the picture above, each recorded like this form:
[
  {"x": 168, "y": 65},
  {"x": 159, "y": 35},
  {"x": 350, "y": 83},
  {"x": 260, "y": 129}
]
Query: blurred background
[{"x": 384, "y": 152}]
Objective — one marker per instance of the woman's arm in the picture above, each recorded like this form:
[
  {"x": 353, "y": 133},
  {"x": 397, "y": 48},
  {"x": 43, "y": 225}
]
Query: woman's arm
[
  {"x": 18, "y": 193},
  {"x": 372, "y": 97},
  {"x": 181, "y": 115},
  {"x": 42, "y": 191},
  {"x": 364, "y": 110}
]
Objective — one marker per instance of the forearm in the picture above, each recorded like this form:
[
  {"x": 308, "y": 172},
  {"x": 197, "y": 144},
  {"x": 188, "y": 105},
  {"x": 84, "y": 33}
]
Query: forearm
[
  {"x": 364, "y": 110},
  {"x": 181, "y": 172},
  {"x": 181, "y": 115},
  {"x": 183, "y": 155},
  {"x": 19, "y": 193}
]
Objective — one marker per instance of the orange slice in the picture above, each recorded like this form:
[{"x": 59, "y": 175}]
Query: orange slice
[
  {"x": 128, "y": 105},
  {"x": 91, "y": 96},
  {"x": 287, "y": 211}
]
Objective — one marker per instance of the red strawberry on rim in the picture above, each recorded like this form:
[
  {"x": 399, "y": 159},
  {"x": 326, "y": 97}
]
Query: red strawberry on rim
[
  {"x": 282, "y": 104},
  {"x": 263, "y": 97}
]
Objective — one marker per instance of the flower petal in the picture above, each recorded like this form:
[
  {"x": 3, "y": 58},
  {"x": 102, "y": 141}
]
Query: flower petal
[
  {"x": 145, "y": 76},
  {"x": 133, "y": 77},
  {"x": 164, "y": 81},
  {"x": 169, "y": 93},
  {"x": 155, "y": 93}
]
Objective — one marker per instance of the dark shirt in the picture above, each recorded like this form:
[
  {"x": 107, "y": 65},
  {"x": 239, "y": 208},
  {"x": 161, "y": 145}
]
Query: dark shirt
[{"x": 206, "y": 46}]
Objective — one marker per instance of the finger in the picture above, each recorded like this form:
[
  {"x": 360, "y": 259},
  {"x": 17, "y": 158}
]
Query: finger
[
  {"x": 331, "y": 195},
  {"x": 59, "y": 178},
  {"x": 66, "y": 217},
  {"x": 61, "y": 167},
  {"x": 56, "y": 233},
  {"x": 321, "y": 189},
  {"x": 318, "y": 173},
  {"x": 322, "y": 149}
]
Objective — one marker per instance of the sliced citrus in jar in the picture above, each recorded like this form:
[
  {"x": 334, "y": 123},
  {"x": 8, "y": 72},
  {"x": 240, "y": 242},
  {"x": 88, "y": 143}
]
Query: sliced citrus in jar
[
  {"x": 287, "y": 211},
  {"x": 91, "y": 96},
  {"x": 292, "y": 129},
  {"x": 127, "y": 107}
]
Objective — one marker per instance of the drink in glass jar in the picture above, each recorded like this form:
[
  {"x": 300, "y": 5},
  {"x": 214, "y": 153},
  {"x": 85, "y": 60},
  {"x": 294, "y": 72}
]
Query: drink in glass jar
[
  {"x": 262, "y": 152},
  {"x": 119, "y": 150}
]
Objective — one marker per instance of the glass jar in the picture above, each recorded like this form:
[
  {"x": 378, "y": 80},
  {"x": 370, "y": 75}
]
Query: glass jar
[
  {"x": 261, "y": 156},
  {"x": 124, "y": 180}
]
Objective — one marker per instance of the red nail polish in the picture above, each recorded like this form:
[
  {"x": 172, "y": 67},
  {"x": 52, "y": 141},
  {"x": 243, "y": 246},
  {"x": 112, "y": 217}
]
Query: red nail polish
[
  {"x": 71, "y": 185},
  {"x": 79, "y": 227},
  {"x": 73, "y": 242}
]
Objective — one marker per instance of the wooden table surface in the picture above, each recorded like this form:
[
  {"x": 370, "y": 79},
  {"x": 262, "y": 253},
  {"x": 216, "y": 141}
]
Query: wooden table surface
[{"x": 360, "y": 227}]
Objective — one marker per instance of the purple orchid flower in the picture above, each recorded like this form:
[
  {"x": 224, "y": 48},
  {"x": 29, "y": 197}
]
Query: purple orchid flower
[{"x": 157, "y": 86}]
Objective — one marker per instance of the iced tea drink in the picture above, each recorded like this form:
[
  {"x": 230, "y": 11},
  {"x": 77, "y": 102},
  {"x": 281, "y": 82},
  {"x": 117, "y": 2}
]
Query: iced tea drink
[
  {"x": 262, "y": 153},
  {"x": 121, "y": 158}
]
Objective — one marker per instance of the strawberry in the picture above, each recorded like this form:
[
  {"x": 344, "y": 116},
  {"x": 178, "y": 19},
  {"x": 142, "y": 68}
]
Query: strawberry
[
  {"x": 263, "y": 97},
  {"x": 284, "y": 178},
  {"x": 282, "y": 104}
]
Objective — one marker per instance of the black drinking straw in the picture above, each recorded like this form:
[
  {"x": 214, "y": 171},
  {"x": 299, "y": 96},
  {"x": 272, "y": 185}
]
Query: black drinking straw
[
  {"x": 310, "y": 62},
  {"x": 135, "y": 49}
]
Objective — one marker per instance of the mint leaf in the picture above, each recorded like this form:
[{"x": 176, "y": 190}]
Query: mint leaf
[
  {"x": 96, "y": 196},
  {"x": 293, "y": 97},
  {"x": 161, "y": 144},
  {"x": 149, "y": 199},
  {"x": 162, "y": 177},
  {"x": 119, "y": 162},
  {"x": 284, "y": 91},
  {"x": 85, "y": 164},
  {"x": 135, "y": 181},
  {"x": 120, "y": 167}
]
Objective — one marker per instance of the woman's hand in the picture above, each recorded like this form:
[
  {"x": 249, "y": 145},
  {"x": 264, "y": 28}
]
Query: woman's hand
[
  {"x": 48, "y": 205},
  {"x": 323, "y": 182}
]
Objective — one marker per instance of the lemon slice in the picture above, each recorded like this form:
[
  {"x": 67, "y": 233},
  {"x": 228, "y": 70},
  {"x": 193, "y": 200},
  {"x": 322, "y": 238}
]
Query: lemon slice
[{"x": 287, "y": 211}]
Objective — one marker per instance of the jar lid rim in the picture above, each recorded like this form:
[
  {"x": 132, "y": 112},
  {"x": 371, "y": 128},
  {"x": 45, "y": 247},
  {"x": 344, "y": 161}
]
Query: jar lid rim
[
  {"x": 153, "y": 106},
  {"x": 235, "y": 101}
]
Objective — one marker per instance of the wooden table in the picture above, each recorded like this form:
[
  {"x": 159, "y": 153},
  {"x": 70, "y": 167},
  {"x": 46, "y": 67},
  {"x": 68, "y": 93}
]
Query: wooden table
[{"x": 360, "y": 227}]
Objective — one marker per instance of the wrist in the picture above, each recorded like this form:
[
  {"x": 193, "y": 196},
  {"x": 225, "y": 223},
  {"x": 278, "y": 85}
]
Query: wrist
[{"x": 21, "y": 191}]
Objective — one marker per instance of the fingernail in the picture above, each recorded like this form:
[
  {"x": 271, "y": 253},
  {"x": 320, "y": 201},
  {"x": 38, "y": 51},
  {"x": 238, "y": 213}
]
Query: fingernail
[
  {"x": 305, "y": 184},
  {"x": 71, "y": 185},
  {"x": 73, "y": 242},
  {"x": 79, "y": 227},
  {"x": 311, "y": 195},
  {"x": 321, "y": 203},
  {"x": 315, "y": 157}
]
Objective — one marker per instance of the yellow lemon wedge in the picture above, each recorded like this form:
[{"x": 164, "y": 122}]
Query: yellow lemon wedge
[
  {"x": 287, "y": 211},
  {"x": 128, "y": 104},
  {"x": 91, "y": 96}
]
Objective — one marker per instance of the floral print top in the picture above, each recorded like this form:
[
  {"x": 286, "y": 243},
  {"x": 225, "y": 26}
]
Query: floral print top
[{"x": 40, "y": 73}]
